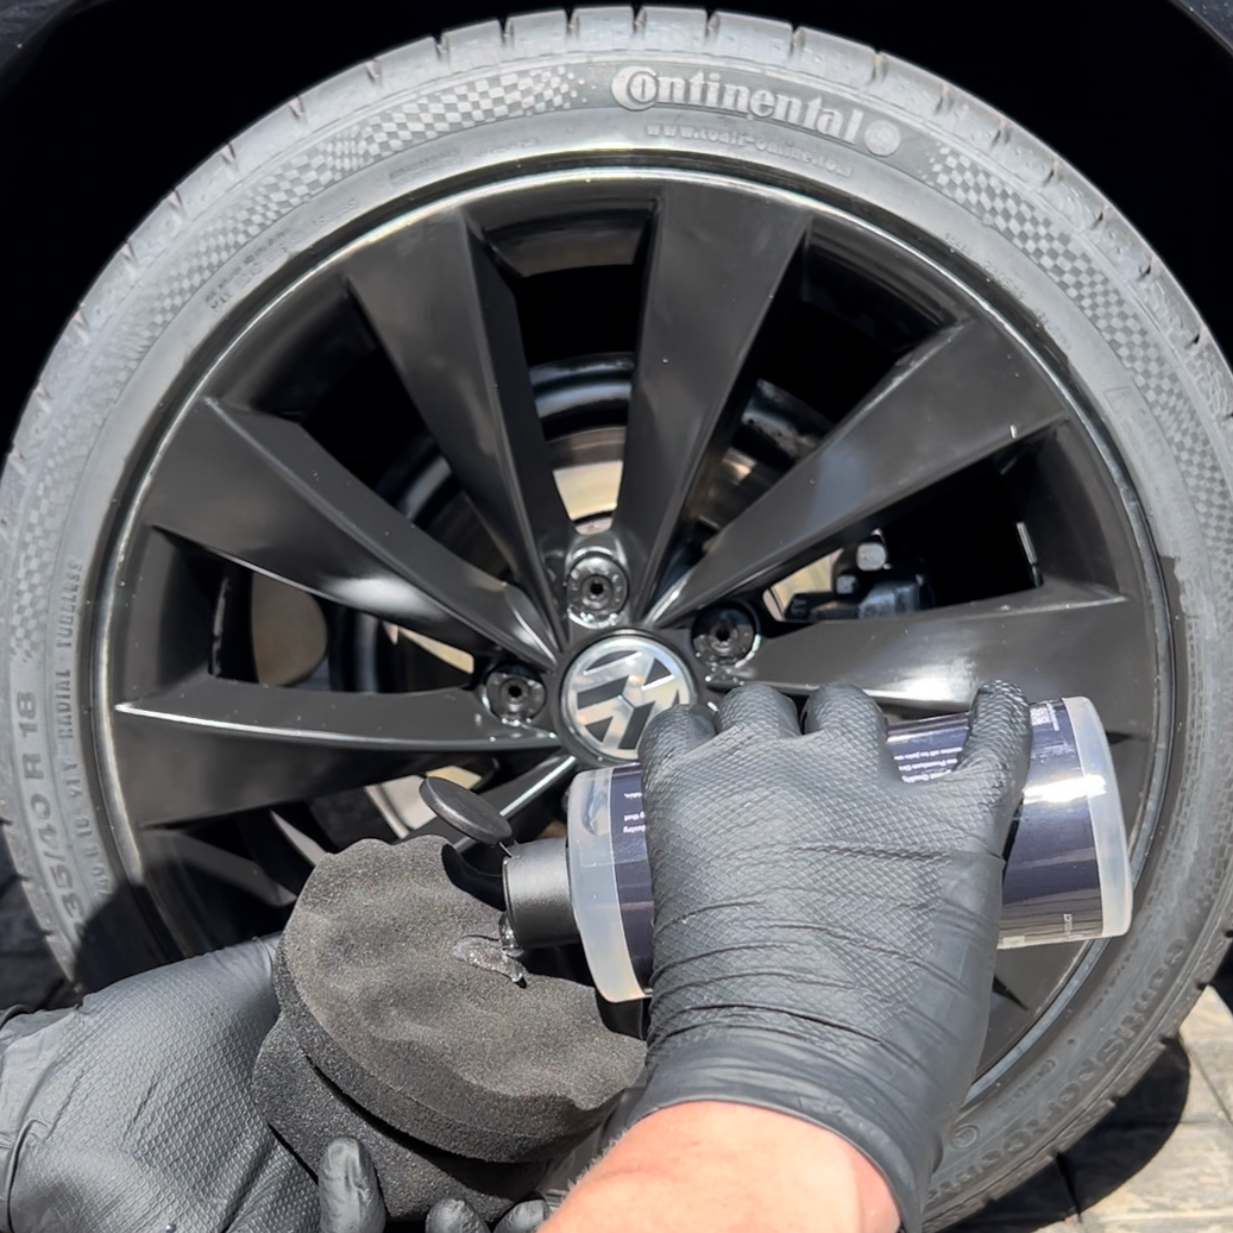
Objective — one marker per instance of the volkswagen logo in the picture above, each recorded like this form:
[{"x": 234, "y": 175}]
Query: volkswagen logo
[{"x": 615, "y": 686}]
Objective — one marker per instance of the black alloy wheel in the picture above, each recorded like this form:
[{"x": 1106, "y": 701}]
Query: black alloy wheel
[
  {"x": 493, "y": 396},
  {"x": 715, "y": 469}
]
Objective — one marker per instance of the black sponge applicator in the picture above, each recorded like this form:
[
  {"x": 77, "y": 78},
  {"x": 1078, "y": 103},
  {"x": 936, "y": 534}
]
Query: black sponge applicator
[
  {"x": 308, "y": 1111},
  {"x": 392, "y": 982}
]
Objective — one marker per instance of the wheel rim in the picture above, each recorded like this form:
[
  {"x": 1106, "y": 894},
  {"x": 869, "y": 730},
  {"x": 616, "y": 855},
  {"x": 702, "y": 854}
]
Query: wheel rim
[{"x": 439, "y": 514}]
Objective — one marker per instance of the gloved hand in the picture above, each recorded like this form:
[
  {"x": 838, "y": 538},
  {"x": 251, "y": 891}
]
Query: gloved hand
[
  {"x": 132, "y": 1114},
  {"x": 455, "y": 1216},
  {"x": 824, "y": 933}
]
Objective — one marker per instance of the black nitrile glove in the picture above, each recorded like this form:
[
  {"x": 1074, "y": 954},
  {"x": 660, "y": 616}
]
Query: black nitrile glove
[
  {"x": 455, "y": 1216},
  {"x": 132, "y": 1114},
  {"x": 824, "y": 933}
]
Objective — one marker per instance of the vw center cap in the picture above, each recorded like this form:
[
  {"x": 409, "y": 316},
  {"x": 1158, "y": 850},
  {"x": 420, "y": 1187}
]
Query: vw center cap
[{"x": 616, "y": 686}]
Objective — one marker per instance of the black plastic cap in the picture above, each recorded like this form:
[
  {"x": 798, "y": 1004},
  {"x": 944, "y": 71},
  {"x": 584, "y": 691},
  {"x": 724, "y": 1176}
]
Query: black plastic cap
[{"x": 537, "y": 900}]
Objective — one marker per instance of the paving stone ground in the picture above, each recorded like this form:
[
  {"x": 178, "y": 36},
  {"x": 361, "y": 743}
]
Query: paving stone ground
[{"x": 1161, "y": 1162}]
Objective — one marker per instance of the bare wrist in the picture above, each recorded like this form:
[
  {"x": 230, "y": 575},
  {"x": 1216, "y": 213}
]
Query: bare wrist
[{"x": 689, "y": 1167}]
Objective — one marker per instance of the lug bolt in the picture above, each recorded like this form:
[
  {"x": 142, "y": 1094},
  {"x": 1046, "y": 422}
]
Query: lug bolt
[
  {"x": 724, "y": 635},
  {"x": 513, "y": 693},
  {"x": 596, "y": 589}
]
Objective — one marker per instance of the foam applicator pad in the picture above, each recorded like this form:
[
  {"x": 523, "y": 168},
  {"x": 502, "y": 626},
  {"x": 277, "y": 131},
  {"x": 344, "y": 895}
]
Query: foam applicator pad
[
  {"x": 308, "y": 1111},
  {"x": 374, "y": 986}
]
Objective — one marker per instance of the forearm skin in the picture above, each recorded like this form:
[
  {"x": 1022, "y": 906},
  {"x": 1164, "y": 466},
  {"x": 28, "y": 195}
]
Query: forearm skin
[{"x": 711, "y": 1167}]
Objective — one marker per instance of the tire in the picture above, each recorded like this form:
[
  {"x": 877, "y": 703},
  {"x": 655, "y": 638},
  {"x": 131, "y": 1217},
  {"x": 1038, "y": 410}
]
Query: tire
[{"x": 900, "y": 147}]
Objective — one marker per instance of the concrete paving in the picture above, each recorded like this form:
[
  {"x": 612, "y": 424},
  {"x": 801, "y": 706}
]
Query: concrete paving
[{"x": 1161, "y": 1162}]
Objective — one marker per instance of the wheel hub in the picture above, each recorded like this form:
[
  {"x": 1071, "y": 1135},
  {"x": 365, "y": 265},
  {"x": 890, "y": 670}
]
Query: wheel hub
[{"x": 616, "y": 687}]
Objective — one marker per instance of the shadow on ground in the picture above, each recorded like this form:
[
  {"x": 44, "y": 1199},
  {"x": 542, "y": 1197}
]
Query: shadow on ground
[{"x": 29, "y": 976}]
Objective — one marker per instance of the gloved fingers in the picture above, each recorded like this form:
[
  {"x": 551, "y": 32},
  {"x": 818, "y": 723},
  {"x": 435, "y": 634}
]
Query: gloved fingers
[
  {"x": 762, "y": 712},
  {"x": 673, "y": 733},
  {"x": 245, "y": 966},
  {"x": 347, "y": 1187},
  {"x": 525, "y": 1217},
  {"x": 453, "y": 1216},
  {"x": 851, "y": 725},
  {"x": 240, "y": 976},
  {"x": 996, "y": 754},
  {"x": 271, "y": 942},
  {"x": 456, "y": 1216}
]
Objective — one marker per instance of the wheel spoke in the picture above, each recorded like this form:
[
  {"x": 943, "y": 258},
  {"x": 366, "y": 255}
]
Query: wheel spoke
[
  {"x": 259, "y": 490},
  {"x": 519, "y": 792},
  {"x": 1059, "y": 639},
  {"x": 719, "y": 265},
  {"x": 449, "y": 323},
  {"x": 1024, "y": 980},
  {"x": 525, "y": 799},
  {"x": 220, "y": 877},
  {"x": 962, "y": 397},
  {"x": 212, "y": 746}
]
